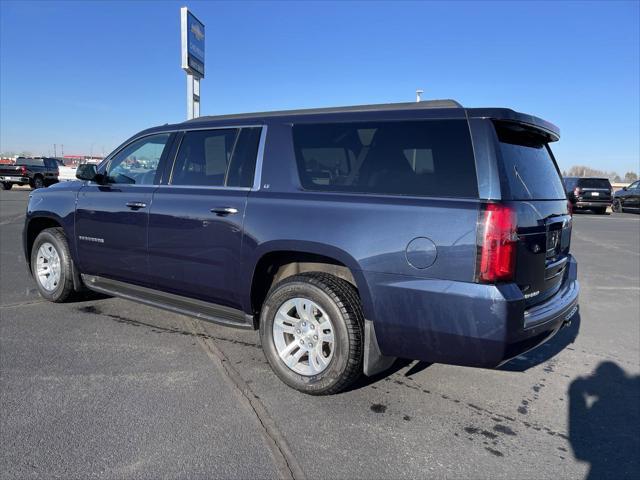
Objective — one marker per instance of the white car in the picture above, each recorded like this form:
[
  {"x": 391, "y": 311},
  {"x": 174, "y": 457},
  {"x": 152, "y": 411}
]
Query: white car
[{"x": 66, "y": 173}]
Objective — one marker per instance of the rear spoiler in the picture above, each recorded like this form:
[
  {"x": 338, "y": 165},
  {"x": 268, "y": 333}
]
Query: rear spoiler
[{"x": 506, "y": 115}]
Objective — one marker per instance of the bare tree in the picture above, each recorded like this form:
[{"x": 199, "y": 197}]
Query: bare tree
[{"x": 630, "y": 177}]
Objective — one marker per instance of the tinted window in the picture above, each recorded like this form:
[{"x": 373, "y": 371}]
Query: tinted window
[
  {"x": 138, "y": 162},
  {"x": 528, "y": 171},
  {"x": 215, "y": 158},
  {"x": 426, "y": 158},
  {"x": 243, "y": 162},
  {"x": 38, "y": 162},
  {"x": 203, "y": 157},
  {"x": 594, "y": 183}
]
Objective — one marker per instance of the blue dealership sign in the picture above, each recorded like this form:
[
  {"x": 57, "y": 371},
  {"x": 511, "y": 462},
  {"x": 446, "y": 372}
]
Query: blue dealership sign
[{"x": 192, "y": 31}]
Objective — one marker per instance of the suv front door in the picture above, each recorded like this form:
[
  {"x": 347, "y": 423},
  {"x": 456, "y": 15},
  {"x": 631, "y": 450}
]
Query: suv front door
[
  {"x": 632, "y": 197},
  {"x": 112, "y": 217},
  {"x": 196, "y": 219}
]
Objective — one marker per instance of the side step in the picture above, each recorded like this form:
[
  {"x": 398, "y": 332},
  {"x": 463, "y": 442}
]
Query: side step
[{"x": 191, "y": 307}]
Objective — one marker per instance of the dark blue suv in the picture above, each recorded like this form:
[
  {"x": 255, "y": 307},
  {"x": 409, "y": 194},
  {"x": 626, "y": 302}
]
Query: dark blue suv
[{"x": 348, "y": 236}]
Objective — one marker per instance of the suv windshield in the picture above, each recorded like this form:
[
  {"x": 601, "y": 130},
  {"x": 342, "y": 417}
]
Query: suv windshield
[
  {"x": 528, "y": 170},
  {"x": 594, "y": 183}
]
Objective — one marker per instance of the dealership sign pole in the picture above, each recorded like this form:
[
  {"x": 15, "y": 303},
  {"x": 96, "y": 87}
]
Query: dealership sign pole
[{"x": 192, "y": 40}]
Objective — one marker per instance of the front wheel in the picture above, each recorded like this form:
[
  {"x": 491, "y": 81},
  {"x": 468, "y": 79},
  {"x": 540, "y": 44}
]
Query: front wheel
[
  {"x": 601, "y": 210},
  {"x": 7, "y": 186},
  {"x": 616, "y": 206},
  {"x": 51, "y": 265},
  {"x": 311, "y": 330}
]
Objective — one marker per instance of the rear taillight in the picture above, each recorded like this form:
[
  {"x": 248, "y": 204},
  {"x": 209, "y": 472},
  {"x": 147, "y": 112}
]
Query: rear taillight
[{"x": 497, "y": 242}]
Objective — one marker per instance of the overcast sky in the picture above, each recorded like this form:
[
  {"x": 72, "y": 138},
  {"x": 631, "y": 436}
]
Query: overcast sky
[{"x": 90, "y": 74}]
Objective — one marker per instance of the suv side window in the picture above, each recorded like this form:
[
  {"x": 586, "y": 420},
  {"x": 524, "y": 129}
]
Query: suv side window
[
  {"x": 138, "y": 162},
  {"x": 424, "y": 158},
  {"x": 217, "y": 158}
]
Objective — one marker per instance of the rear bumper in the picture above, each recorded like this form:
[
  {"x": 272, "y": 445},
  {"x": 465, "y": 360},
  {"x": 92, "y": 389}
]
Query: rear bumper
[
  {"x": 593, "y": 203},
  {"x": 461, "y": 323},
  {"x": 13, "y": 179}
]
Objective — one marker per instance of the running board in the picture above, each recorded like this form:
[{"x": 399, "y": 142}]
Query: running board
[{"x": 191, "y": 307}]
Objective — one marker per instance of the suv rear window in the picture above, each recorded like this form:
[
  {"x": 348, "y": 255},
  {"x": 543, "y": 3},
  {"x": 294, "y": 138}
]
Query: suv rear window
[
  {"x": 594, "y": 183},
  {"x": 528, "y": 170},
  {"x": 424, "y": 158}
]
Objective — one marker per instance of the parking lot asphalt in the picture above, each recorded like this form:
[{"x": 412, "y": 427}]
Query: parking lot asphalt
[{"x": 105, "y": 388}]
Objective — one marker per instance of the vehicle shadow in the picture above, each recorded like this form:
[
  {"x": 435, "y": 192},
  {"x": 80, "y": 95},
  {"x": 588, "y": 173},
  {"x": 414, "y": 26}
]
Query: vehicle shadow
[
  {"x": 399, "y": 364},
  {"x": 561, "y": 340},
  {"x": 604, "y": 422}
]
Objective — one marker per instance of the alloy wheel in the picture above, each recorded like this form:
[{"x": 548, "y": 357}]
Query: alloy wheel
[
  {"x": 304, "y": 336},
  {"x": 48, "y": 267}
]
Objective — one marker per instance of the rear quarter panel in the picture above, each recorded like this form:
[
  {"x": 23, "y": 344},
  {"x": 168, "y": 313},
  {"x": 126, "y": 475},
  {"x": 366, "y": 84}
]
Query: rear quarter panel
[{"x": 367, "y": 233}]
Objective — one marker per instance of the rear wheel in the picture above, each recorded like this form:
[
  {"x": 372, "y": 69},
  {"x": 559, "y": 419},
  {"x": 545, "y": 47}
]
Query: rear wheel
[
  {"x": 51, "y": 265},
  {"x": 7, "y": 186},
  {"x": 601, "y": 210},
  {"x": 311, "y": 330},
  {"x": 38, "y": 182}
]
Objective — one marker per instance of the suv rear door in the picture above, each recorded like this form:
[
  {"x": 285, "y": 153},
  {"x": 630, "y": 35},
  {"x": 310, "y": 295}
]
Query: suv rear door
[
  {"x": 196, "y": 221},
  {"x": 532, "y": 186}
]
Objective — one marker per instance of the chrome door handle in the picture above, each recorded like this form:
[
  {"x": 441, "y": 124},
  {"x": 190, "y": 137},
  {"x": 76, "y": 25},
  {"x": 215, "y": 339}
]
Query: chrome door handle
[
  {"x": 136, "y": 205},
  {"x": 224, "y": 211}
]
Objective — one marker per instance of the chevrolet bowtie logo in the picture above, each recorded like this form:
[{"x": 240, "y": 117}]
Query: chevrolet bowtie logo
[{"x": 195, "y": 29}]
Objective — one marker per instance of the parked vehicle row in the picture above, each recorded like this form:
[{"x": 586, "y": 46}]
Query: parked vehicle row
[
  {"x": 36, "y": 172},
  {"x": 349, "y": 236}
]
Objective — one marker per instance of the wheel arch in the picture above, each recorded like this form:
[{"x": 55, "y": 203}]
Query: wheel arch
[
  {"x": 32, "y": 229},
  {"x": 275, "y": 264},
  {"x": 34, "y": 226}
]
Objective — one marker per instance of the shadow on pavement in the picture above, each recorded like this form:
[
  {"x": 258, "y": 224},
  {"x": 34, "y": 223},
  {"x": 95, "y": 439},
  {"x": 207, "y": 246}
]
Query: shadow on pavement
[
  {"x": 561, "y": 340},
  {"x": 604, "y": 422}
]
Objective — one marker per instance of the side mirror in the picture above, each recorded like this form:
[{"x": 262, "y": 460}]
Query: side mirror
[
  {"x": 88, "y": 172},
  {"x": 625, "y": 188}
]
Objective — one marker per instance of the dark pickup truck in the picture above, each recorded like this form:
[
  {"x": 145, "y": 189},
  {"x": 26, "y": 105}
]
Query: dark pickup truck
[
  {"x": 348, "y": 236},
  {"x": 37, "y": 172}
]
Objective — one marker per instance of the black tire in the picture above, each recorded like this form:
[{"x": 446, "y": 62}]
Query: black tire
[
  {"x": 63, "y": 291},
  {"x": 601, "y": 211},
  {"x": 340, "y": 300},
  {"x": 38, "y": 182},
  {"x": 616, "y": 206},
  {"x": 7, "y": 186}
]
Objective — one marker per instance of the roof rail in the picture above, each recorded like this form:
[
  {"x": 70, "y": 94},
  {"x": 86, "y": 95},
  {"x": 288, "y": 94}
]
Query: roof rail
[{"x": 352, "y": 108}]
